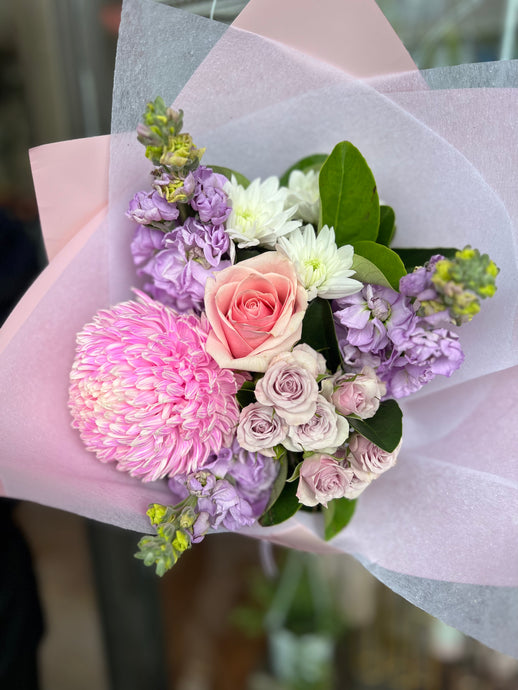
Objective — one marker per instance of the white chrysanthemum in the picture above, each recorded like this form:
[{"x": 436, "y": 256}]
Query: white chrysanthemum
[
  {"x": 322, "y": 268},
  {"x": 258, "y": 216},
  {"x": 303, "y": 191}
]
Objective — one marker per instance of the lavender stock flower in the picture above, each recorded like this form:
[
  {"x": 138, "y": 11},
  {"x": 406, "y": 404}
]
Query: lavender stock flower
[
  {"x": 147, "y": 208},
  {"x": 373, "y": 316},
  {"x": 209, "y": 199},
  {"x": 254, "y": 475},
  {"x": 407, "y": 349},
  {"x": 186, "y": 257},
  {"x": 224, "y": 506},
  {"x": 419, "y": 284},
  {"x": 232, "y": 489},
  {"x": 146, "y": 242}
]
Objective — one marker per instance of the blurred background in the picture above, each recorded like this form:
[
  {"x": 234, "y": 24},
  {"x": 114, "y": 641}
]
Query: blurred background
[{"x": 232, "y": 614}]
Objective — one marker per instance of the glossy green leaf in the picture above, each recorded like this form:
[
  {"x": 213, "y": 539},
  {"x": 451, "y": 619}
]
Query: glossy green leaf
[
  {"x": 349, "y": 199},
  {"x": 245, "y": 396},
  {"x": 387, "y": 226},
  {"x": 318, "y": 331},
  {"x": 227, "y": 172},
  {"x": 296, "y": 472},
  {"x": 367, "y": 272},
  {"x": 384, "y": 429},
  {"x": 386, "y": 260},
  {"x": 280, "y": 480},
  {"x": 248, "y": 253},
  {"x": 313, "y": 162},
  {"x": 337, "y": 515},
  {"x": 418, "y": 257},
  {"x": 284, "y": 507}
]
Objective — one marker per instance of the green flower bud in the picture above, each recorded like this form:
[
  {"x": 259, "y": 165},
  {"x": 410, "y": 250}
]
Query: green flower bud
[
  {"x": 156, "y": 513},
  {"x": 187, "y": 518},
  {"x": 182, "y": 541},
  {"x": 461, "y": 281},
  {"x": 180, "y": 154}
]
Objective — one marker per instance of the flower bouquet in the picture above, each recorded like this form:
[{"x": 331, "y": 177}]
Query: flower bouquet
[
  {"x": 439, "y": 527},
  {"x": 261, "y": 376}
]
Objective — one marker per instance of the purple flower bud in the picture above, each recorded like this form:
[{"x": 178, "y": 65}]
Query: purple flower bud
[
  {"x": 210, "y": 199},
  {"x": 419, "y": 283},
  {"x": 149, "y": 207}
]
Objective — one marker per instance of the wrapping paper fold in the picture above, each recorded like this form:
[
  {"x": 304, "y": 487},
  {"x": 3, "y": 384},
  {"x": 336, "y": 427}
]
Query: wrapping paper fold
[{"x": 441, "y": 528}]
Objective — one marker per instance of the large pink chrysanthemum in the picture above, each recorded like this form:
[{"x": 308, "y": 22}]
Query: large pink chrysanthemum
[{"x": 145, "y": 394}]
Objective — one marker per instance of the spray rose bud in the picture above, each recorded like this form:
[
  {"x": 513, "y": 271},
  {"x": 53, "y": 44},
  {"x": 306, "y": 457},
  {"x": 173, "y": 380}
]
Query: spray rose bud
[
  {"x": 358, "y": 394},
  {"x": 260, "y": 429},
  {"x": 322, "y": 479},
  {"x": 367, "y": 460},
  {"x": 324, "y": 432}
]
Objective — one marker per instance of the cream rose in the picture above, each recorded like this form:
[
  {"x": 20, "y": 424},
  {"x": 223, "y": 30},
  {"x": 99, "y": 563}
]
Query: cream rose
[{"x": 255, "y": 309}]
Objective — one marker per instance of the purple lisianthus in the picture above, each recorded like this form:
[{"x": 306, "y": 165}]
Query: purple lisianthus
[
  {"x": 148, "y": 208},
  {"x": 209, "y": 199}
]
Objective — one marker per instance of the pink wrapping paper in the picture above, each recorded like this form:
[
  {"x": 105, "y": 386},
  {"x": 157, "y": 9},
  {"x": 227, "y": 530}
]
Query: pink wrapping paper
[{"x": 448, "y": 511}]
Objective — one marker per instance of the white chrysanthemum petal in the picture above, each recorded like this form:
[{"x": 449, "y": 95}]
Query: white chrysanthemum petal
[
  {"x": 322, "y": 268},
  {"x": 258, "y": 215},
  {"x": 303, "y": 191}
]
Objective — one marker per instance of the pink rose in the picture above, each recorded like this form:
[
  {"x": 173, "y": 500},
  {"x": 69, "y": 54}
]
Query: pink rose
[
  {"x": 358, "y": 394},
  {"x": 356, "y": 487},
  {"x": 325, "y": 431},
  {"x": 255, "y": 310},
  {"x": 367, "y": 460},
  {"x": 322, "y": 479},
  {"x": 260, "y": 429},
  {"x": 291, "y": 390}
]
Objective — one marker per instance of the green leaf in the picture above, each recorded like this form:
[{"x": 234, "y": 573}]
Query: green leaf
[
  {"x": 227, "y": 172},
  {"x": 384, "y": 429},
  {"x": 245, "y": 397},
  {"x": 318, "y": 331},
  {"x": 387, "y": 261},
  {"x": 349, "y": 199},
  {"x": 313, "y": 162},
  {"x": 296, "y": 472},
  {"x": 248, "y": 253},
  {"x": 387, "y": 225},
  {"x": 367, "y": 272},
  {"x": 284, "y": 507},
  {"x": 280, "y": 480},
  {"x": 418, "y": 257},
  {"x": 337, "y": 515}
]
